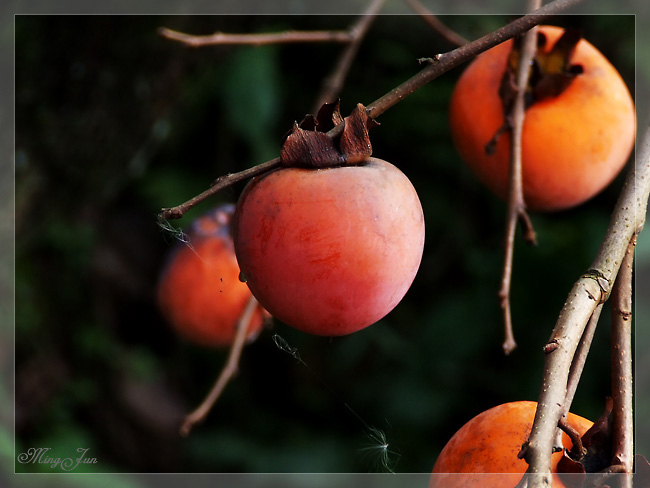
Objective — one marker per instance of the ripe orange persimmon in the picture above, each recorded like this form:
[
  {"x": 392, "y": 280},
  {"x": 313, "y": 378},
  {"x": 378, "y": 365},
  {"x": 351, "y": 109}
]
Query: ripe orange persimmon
[
  {"x": 199, "y": 291},
  {"x": 330, "y": 251},
  {"x": 486, "y": 449},
  {"x": 574, "y": 143}
]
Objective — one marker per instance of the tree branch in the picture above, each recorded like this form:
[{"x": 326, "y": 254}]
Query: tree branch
[
  {"x": 219, "y": 184},
  {"x": 437, "y": 66},
  {"x": 229, "y": 370},
  {"x": 224, "y": 39},
  {"x": 579, "y": 359},
  {"x": 587, "y": 293},
  {"x": 516, "y": 206},
  {"x": 442, "y": 63},
  {"x": 622, "y": 418}
]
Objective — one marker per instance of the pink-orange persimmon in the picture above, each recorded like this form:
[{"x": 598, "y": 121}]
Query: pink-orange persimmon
[{"x": 330, "y": 251}]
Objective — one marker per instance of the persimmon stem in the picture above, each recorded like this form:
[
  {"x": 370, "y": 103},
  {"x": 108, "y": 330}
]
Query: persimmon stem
[
  {"x": 434, "y": 22},
  {"x": 622, "y": 418},
  {"x": 577, "y": 450},
  {"x": 227, "y": 373},
  {"x": 222, "y": 38},
  {"x": 333, "y": 84}
]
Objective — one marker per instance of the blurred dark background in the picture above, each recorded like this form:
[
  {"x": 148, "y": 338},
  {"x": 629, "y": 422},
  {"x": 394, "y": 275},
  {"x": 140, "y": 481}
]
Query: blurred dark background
[{"x": 113, "y": 122}]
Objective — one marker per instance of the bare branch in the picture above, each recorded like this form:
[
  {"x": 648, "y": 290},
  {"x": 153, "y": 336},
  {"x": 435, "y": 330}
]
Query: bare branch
[
  {"x": 622, "y": 419},
  {"x": 441, "y": 64},
  {"x": 224, "y": 39},
  {"x": 579, "y": 359},
  {"x": 587, "y": 293},
  {"x": 509, "y": 343},
  {"x": 569, "y": 329},
  {"x": 219, "y": 184},
  {"x": 435, "y": 23},
  {"x": 229, "y": 370},
  {"x": 516, "y": 205}
]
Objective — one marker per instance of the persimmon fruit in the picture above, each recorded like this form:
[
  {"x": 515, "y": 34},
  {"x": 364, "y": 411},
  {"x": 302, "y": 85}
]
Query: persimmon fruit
[
  {"x": 485, "y": 449},
  {"x": 329, "y": 251},
  {"x": 199, "y": 291},
  {"x": 574, "y": 143}
]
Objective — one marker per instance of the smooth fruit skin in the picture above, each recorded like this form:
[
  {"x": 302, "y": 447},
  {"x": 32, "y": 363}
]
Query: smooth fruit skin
[
  {"x": 487, "y": 447},
  {"x": 330, "y": 251},
  {"x": 573, "y": 145},
  {"x": 199, "y": 291}
]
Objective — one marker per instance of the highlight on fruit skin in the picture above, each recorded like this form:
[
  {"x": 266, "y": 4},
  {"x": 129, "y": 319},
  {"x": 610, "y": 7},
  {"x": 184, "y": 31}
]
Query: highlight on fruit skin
[
  {"x": 199, "y": 292},
  {"x": 573, "y": 145},
  {"x": 330, "y": 251},
  {"x": 483, "y": 452}
]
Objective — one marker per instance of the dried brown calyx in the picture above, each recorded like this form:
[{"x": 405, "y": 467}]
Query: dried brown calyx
[
  {"x": 313, "y": 143},
  {"x": 551, "y": 73}
]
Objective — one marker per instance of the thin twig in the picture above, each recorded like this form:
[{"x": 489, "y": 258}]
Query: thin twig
[
  {"x": 434, "y": 22},
  {"x": 588, "y": 292},
  {"x": 223, "y": 39},
  {"x": 579, "y": 359},
  {"x": 622, "y": 419},
  {"x": 516, "y": 206},
  {"x": 229, "y": 370},
  {"x": 333, "y": 84},
  {"x": 219, "y": 184},
  {"x": 509, "y": 343}
]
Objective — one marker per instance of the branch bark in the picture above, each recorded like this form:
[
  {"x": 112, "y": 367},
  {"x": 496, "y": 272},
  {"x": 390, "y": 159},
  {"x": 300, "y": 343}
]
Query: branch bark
[
  {"x": 622, "y": 418},
  {"x": 227, "y": 373},
  {"x": 516, "y": 205},
  {"x": 442, "y": 63},
  {"x": 579, "y": 359},
  {"x": 219, "y": 184},
  {"x": 224, "y": 39},
  {"x": 587, "y": 293}
]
